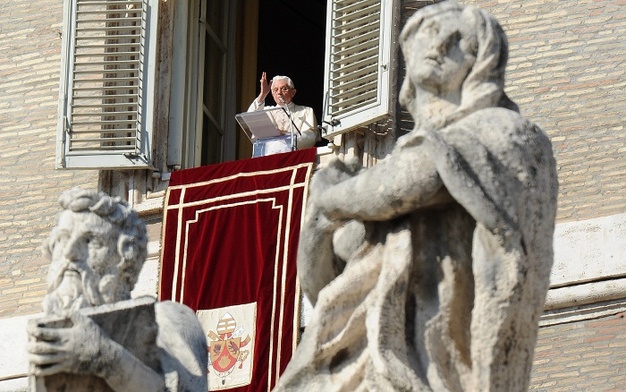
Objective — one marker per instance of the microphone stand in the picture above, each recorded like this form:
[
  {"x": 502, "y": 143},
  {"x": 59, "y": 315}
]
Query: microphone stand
[{"x": 294, "y": 140}]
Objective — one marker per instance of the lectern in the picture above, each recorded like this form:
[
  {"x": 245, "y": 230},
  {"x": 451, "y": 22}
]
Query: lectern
[{"x": 261, "y": 127}]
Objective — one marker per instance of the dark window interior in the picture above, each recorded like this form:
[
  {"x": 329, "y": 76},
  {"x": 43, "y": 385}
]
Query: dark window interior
[{"x": 291, "y": 43}]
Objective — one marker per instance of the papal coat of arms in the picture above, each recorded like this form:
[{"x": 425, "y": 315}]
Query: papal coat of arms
[
  {"x": 226, "y": 347},
  {"x": 230, "y": 335}
]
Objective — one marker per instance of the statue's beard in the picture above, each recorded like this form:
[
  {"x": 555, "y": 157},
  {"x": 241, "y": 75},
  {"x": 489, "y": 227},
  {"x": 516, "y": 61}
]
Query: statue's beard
[{"x": 74, "y": 289}]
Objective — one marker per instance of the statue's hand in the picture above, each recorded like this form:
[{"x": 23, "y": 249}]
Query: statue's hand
[
  {"x": 81, "y": 349},
  {"x": 332, "y": 174},
  {"x": 413, "y": 138},
  {"x": 321, "y": 193}
]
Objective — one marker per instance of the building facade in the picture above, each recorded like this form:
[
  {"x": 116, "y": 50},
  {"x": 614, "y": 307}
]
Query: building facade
[{"x": 202, "y": 61}]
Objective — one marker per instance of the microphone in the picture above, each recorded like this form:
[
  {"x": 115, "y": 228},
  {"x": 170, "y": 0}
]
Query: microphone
[
  {"x": 284, "y": 106},
  {"x": 292, "y": 125},
  {"x": 288, "y": 113}
]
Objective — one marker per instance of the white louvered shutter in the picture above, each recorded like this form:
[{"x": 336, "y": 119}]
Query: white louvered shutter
[
  {"x": 358, "y": 63},
  {"x": 105, "y": 108}
]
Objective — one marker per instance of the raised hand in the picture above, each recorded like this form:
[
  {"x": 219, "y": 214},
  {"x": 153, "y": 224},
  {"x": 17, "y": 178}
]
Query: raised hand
[{"x": 265, "y": 87}]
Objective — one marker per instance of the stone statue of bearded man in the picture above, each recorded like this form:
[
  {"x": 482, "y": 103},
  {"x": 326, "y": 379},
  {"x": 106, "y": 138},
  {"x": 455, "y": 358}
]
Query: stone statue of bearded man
[{"x": 97, "y": 250}]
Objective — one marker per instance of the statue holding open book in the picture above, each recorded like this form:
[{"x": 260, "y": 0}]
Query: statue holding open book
[{"x": 93, "y": 336}]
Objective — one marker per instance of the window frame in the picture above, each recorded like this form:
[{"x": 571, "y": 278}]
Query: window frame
[{"x": 186, "y": 101}]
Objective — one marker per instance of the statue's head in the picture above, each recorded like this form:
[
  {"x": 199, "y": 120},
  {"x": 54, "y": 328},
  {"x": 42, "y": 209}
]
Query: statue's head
[
  {"x": 458, "y": 52},
  {"x": 97, "y": 250}
]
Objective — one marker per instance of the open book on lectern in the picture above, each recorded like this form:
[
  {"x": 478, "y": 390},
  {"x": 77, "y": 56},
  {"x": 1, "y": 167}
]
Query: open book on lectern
[{"x": 259, "y": 124}]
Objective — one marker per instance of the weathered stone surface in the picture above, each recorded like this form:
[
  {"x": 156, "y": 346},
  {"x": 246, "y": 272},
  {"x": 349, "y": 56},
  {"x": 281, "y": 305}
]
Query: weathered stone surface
[
  {"x": 93, "y": 337},
  {"x": 429, "y": 270}
]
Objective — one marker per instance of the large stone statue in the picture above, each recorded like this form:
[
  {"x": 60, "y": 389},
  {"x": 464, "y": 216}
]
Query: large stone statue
[
  {"x": 93, "y": 336},
  {"x": 429, "y": 270}
]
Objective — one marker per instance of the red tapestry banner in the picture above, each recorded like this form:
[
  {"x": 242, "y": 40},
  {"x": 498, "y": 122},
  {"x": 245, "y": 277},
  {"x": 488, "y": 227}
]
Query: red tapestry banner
[{"x": 230, "y": 235}]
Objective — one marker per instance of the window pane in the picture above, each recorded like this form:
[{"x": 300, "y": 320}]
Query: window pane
[
  {"x": 211, "y": 142},
  {"x": 215, "y": 17},
  {"x": 214, "y": 77}
]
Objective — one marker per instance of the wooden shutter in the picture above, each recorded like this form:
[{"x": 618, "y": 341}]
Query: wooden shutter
[
  {"x": 358, "y": 63},
  {"x": 105, "y": 106}
]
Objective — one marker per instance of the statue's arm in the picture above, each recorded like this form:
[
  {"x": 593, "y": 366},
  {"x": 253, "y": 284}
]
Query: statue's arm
[
  {"x": 316, "y": 261},
  {"x": 402, "y": 183},
  {"x": 183, "y": 347}
]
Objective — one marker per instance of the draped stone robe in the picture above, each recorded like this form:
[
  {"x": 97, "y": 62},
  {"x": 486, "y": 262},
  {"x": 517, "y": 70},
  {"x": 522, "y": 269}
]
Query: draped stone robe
[{"x": 446, "y": 296}]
